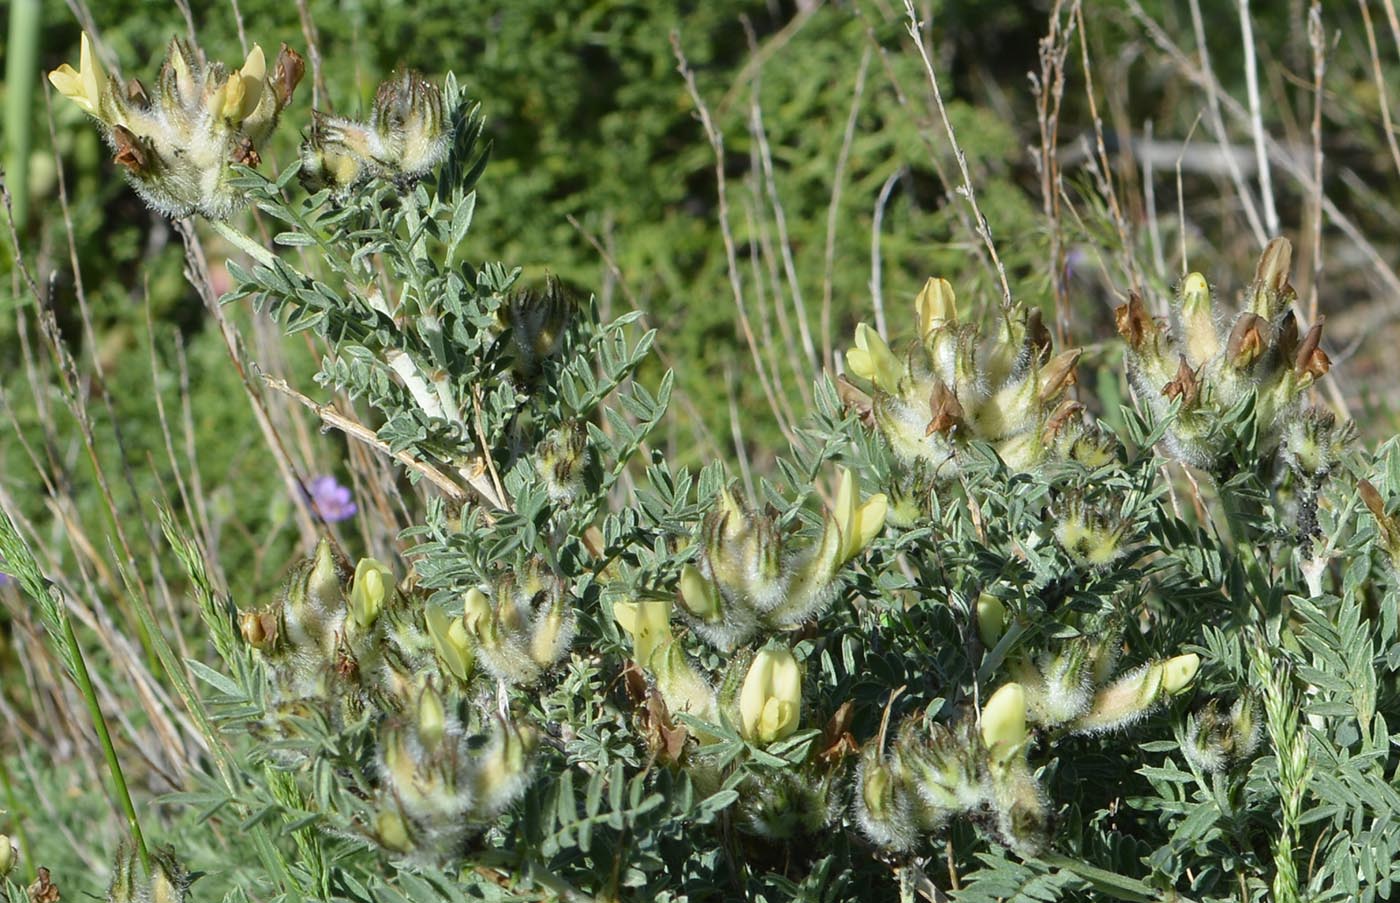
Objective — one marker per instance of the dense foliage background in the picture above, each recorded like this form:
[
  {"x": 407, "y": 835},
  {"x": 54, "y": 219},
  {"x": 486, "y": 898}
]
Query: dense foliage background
[{"x": 836, "y": 196}]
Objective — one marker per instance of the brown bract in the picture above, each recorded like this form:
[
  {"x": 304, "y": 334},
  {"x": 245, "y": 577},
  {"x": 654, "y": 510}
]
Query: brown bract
[
  {"x": 1186, "y": 385},
  {"x": 1310, "y": 359},
  {"x": 1247, "y": 342},
  {"x": 946, "y": 410},
  {"x": 1059, "y": 374},
  {"x": 1135, "y": 325}
]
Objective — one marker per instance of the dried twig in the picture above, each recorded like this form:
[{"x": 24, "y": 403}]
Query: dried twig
[{"x": 966, "y": 190}]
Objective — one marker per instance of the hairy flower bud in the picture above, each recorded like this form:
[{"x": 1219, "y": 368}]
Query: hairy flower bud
[
  {"x": 1215, "y": 740},
  {"x": 770, "y": 702},
  {"x": 560, "y": 460},
  {"x": 165, "y": 881},
  {"x": 1137, "y": 693},
  {"x": 884, "y": 802},
  {"x": 9, "y": 854}
]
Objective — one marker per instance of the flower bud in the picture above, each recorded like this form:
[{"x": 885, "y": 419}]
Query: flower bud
[
  {"x": 884, "y": 804},
  {"x": 552, "y": 630},
  {"x": 743, "y": 551},
  {"x": 1315, "y": 444},
  {"x": 1062, "y": 692},
  {"x": 560, "y": 460},
  {"x": 409, "y": 116},
  {"x": 431, "y": 718},
  {"x": 165, "y": 881},
  {"x": 699, "y": 596},
  {"x": 1004, "y": 723},
  {"x": 9, "y": 854},
  {"x": 770, "y": 702},
  {"x": 991, "y": 619},
  {"x": 324, "y": 582},
  {"x": 392, "y": 832},
  {"x": 1198, "y": 320},
  {"x": 1271, "y": 292},
  {"x": 936, "y": 305},
  {"x": 450, "y": 641},
  {"x": 405, "y": 138},
  {"x": 503, "y": 768},
  {"x": 872, "y": 360},
  {"x": 371, "y": 583},
  {"x": 1134, "y": 695}
]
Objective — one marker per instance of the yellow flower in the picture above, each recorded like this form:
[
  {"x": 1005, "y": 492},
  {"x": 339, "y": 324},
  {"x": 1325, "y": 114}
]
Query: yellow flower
[
  {"x": 449, "y": 636},
  {"x": 88, "y": 86},
  {"x": 858, "y": 524},
  {"x": 649, "y": 623},
  {"x": 770, "y": 701},
  {"x": 237, "y": 97},
  {"x": 872, "y": 360}
]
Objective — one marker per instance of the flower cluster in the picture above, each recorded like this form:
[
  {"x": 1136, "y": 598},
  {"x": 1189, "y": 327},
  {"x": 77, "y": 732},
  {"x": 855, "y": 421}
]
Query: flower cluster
[
  {"x": 178, "y": 142},
  {"x": 406, "y": 136},
  {"x": 749, "y": 581},
  {"x": 1067, "y": 685},
  {"x": 353, "y": 649},
  {"x": 949, "y": 388},
  {"x": 1215, "y": 739},
  {"x": 1202, "y": 371},
  {"x": 932, "y": 774},
  {"x": 165, "y": 881}
]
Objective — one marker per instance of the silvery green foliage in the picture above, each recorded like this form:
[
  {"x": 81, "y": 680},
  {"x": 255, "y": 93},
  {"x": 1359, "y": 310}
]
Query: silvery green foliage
[{"x": 1034, "y": 678}]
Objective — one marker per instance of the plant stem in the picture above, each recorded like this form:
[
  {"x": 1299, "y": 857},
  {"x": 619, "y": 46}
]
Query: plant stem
[
  {"x": 20, "y": 99},
  {"x": 244, "y": 243},
  {"x": 99, "y": 723}
]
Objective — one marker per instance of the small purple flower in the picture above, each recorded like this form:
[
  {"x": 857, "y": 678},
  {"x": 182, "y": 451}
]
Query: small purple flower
[{"x": 330, "y": 499}]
